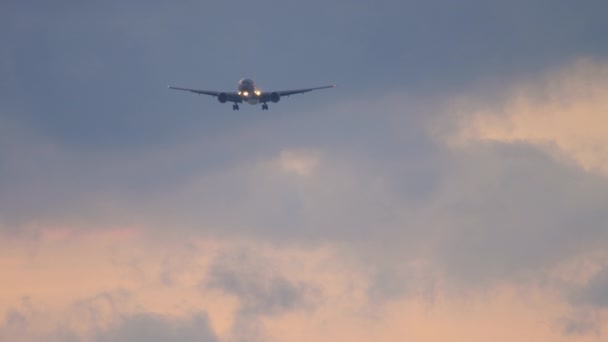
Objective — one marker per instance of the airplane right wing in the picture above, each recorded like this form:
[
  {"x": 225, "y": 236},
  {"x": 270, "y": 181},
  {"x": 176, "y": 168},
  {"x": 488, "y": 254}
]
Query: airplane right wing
[{"x": 230, "y": 96}]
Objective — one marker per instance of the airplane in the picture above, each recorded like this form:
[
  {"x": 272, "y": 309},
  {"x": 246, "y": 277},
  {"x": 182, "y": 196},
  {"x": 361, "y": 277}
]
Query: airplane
[{"x": 249, "y": 93}]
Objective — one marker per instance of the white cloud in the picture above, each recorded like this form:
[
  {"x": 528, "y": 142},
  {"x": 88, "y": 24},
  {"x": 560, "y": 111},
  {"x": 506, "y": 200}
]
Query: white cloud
[
  {"x": 299, "y": 162},
  {"x": 564, "y": 110}
]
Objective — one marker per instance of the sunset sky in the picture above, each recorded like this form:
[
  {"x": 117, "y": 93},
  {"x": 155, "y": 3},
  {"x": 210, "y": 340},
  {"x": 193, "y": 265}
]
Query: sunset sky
[{"x": 452, "y": 187}]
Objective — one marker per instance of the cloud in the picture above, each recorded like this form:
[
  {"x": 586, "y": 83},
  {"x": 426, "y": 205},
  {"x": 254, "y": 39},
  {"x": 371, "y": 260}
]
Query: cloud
[
  {"x": 581, "y": 323},
  {"x": 109, "y": 181},
  {"x": 301, "y": 163},
  {"x": 260, "y": 289},
  {"x": 136, "y": 327},
  {"x": 159, "y": 328},
  {"x": 527, "y": 184},
  {"x": 595, "y": 292},
  {"x": 481, "y": 211},
  {"x": 15, "y": 324},
  {"x": 109, "y": 315},
  {"x": 33, "y": 319},
  {"x": 507, "y": 210},
  {"x": 563, "y": 110},
  {"x": 252, "y": 289}
]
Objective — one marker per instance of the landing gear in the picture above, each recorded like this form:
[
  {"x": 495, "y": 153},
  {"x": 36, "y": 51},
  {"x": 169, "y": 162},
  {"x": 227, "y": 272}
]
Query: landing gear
[
  {"x": 264, "y": 107},
  {"x": 235, "y": 107}
]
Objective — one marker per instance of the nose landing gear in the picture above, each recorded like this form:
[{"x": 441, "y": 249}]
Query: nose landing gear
[
  {"x": 235, "y": 107},
  {"x": 264, "y": 107}
]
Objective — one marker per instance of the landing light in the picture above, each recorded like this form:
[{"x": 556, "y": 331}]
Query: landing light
[
  {"x": 257, "y": 92},
  {"x": 245, "y": 93}
]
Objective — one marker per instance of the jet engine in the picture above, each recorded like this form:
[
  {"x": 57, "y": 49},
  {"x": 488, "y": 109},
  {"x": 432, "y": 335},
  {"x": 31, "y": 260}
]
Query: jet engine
[
  {"x": 275, "y": 97},
  {"x": 222, "y": 97}
]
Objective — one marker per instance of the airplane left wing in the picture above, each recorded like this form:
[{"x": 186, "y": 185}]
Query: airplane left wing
[{"x": 300, "y": 91}]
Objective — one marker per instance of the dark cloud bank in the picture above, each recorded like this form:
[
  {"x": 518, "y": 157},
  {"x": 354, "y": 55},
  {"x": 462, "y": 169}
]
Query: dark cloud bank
[{"x": 89, "y": 136}]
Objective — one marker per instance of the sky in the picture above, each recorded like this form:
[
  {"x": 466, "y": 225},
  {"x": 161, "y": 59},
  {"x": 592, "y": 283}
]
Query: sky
[{"x": 452, "y": 187}]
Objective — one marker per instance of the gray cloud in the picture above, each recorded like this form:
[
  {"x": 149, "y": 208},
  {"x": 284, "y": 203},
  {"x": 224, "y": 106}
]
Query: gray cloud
[
  {"x": 107, "y": 316},
  {"x": 154, "y": 327},
  {"x": 580, "y": 323},
  {"x": 15, "y": 324},
  {"x": 391, "y": 281},
  {"x": 100, "y": 137},
  {"x": 595, "y": 292},
  {"x": 260, "y": 290},
  {"x": 508, "y": 208},
  {"x": 93, "y": 76},
  {"x": 102, "y": 308},
  {"x": 178, "y": 262},
  {"x": 483, "y": 212}
]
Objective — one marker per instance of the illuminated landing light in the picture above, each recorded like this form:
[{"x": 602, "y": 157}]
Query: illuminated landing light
[
  {"x": 245, "y": 93},
  {"x": 258, "y": 93}
]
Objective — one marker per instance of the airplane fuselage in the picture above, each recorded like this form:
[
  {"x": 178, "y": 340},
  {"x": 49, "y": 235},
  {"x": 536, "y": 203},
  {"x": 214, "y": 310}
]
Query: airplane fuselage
[{"x": 248, "y": 92}]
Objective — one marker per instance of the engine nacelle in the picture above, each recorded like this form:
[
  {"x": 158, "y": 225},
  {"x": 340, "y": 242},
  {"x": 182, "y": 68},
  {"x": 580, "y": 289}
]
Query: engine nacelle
[
  {"x": 275, "y": 97},
  {"x": 222, "y": 97}
]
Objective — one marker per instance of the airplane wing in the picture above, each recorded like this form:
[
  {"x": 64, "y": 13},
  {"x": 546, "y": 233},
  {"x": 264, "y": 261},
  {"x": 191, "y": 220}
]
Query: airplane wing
[
  {"x": 230, "y": 96},
  {"x": 300, "y": 91}
]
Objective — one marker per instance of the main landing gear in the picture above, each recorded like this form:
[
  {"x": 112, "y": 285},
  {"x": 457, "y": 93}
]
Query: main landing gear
[
  {"x": 235, "y": 107},
  {"x": 264, "y": 107}
]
